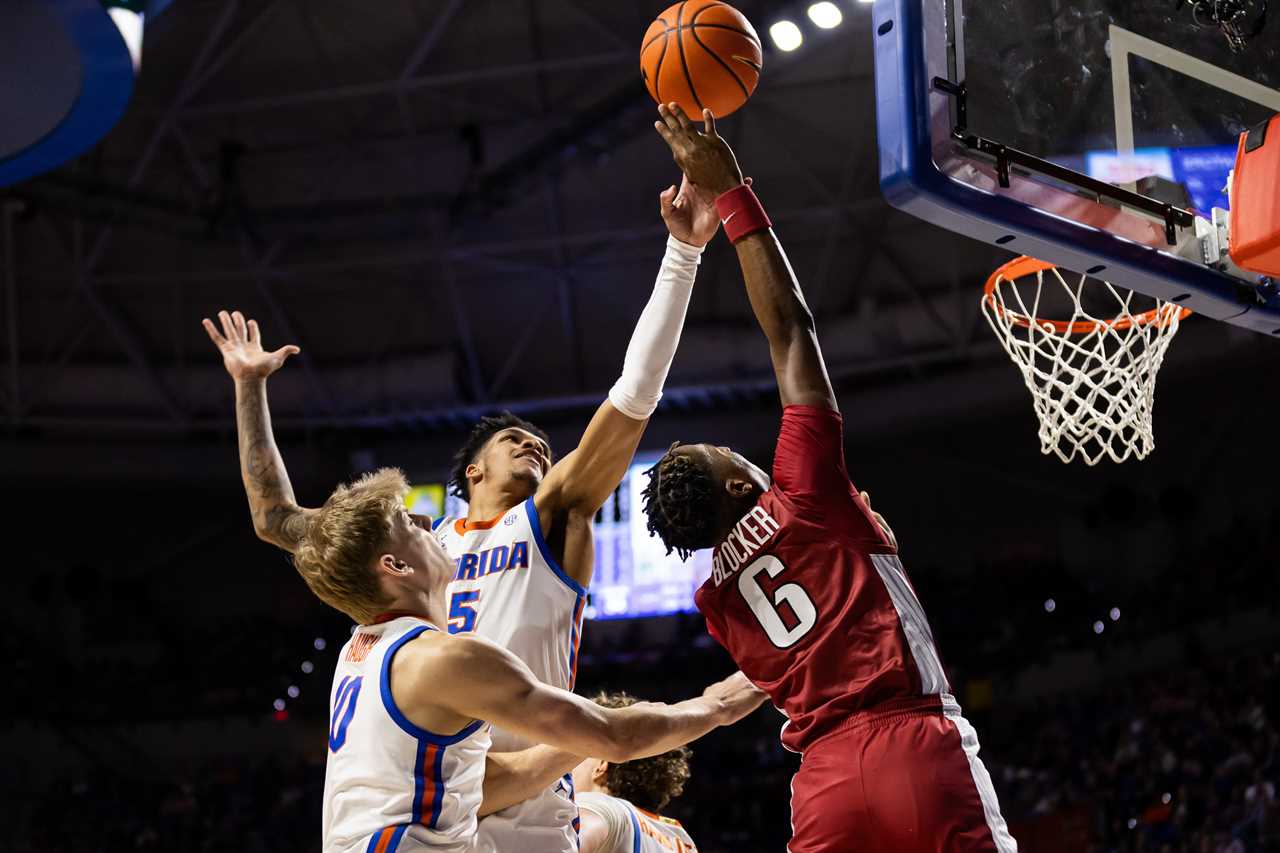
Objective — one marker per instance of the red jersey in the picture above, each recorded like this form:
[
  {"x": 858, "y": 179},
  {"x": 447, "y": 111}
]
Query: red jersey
[{"x": 808, "y": 596}]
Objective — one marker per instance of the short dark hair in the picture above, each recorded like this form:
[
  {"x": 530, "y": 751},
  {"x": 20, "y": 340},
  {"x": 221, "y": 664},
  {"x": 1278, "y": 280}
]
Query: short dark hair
[
  {"x": 679, "y": 500},
  {"x": 647, "y": 783},
  {"x": 484, "y": 430}
]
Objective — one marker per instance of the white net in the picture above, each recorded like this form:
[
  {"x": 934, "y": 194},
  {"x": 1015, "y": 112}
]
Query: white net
[{"x": 1092, "y": 377}]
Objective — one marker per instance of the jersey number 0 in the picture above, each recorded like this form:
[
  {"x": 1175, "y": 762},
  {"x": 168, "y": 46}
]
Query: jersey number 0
[{"x": 766, "y": 609}]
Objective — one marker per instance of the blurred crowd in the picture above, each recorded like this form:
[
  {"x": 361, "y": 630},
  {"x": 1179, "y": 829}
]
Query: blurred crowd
[{"x": 1182, "y": 757}]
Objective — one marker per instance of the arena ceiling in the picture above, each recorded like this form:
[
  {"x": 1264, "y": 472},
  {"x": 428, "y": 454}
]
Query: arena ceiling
[{"x": 452, "y": 206}]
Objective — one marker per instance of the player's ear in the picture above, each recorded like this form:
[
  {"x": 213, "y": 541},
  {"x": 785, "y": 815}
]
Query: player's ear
[
  {"x": 739, "y": 488},
  {"x": 600, "y": 774},
  {"x": 392, "y": 566}
]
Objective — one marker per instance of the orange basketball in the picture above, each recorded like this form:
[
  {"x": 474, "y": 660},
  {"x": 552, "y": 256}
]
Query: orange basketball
[{"x": 701, "y": 53}]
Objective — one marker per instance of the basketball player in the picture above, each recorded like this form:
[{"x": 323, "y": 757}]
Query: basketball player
[
  {"x": 807, "y": 592},
  {"x": 519, "y": 503},
  {"x": 524, "y": 552},
  {"x": 411, "y": 704},
  {"x": 620, "y": 804}
]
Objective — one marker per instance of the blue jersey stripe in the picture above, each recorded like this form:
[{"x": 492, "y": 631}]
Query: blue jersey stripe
[
  {"x": 574, "y": 628},
  {"x": 635, "y": 830},
  {"x": 418, "y": 781},
  {"x": 437, "y": 804},
  {"x": 396, "y": 836},
  {"x": 536, "y": 525}
]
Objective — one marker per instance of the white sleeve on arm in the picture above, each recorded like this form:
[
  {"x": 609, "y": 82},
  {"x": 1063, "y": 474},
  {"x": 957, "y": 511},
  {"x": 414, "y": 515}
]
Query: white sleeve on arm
[
  {"x": 653, "y": 344},
  {"x": 616, "y": 818}
]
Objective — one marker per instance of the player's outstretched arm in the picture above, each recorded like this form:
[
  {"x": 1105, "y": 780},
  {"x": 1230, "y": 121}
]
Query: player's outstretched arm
[
  {"x": 585, "y": 478},
  {"x": 513, "y": 777},
  {"x": 277, "y": 518},
  {"x": 489, "y": 683},
  {"x": 775, "y": 294}
]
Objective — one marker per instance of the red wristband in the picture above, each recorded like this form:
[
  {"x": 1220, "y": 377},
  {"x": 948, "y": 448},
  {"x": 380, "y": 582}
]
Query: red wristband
[{"x": 741, "y": 213}]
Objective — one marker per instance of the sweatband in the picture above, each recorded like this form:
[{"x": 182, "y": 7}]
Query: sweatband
[
  {"x": 653, "y": 343},
  {"x": 741, "y": 213}
]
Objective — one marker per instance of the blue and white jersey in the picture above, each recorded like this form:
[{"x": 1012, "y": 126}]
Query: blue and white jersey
[
  {"x": 389, "y": 786},
  {"x": 508, "y": 588},
  {"x": 629, "y": 829}
]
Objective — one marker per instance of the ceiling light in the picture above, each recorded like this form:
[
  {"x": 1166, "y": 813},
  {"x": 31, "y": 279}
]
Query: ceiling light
[
  {"x": 786, "y": 35},
  {"x": 825, "y": 15}
]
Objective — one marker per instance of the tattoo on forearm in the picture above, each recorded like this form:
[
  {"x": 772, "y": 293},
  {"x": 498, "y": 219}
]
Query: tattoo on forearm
[{"x": 275, "y": 514}]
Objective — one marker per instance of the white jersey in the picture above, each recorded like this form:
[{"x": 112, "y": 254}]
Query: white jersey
[
  {"x": 509, "y": 589},
  {"x": 390, "y": 786},
  {"x": 634, "y": 830}
]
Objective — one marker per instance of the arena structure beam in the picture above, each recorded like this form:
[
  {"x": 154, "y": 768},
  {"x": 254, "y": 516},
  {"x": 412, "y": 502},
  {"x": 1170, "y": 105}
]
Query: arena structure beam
[
  {"x": 185, "y": 91},
  {"x": 488, "y": 253},
  {"x": 258, "y": 263},
  {"x": 616, "y": 59},
  {"x": 420, "y": 53},
  {"x": 715, "y": 397},
  {"x": 114, "y": 319},
  {"x": 118, "y": 324},
  {"x": 480, "y": 390}
]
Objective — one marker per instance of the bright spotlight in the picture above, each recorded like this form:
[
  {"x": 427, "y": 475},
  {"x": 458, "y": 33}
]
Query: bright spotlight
[
  {"x": 1115, "y": 614},
  {"x": 293, "y": 691},
  {"x": 786, "y": 35},
  {"x": 1098, "y": 627},
  {"x": 278, "y": 704},
  {"x": 826, "y": 15},
  {"x": 1050, "y": 605}
]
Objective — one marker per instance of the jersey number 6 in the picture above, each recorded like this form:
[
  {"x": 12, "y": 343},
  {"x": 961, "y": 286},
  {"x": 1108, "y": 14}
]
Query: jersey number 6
[{"x": 766, "y": 610}]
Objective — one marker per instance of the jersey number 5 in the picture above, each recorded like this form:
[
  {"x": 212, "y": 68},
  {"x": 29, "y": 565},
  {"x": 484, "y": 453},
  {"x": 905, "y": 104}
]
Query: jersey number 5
[
  {"x": 462, "y": 611},
  {"x": 766, "y": 609}
]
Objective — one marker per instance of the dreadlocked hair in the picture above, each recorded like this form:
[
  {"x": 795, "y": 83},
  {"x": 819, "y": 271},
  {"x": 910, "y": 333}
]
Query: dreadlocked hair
[
  {"x": 679, "y": 500},
  {"x": 648, "y": 783},
  {"x": 484, "y": 430}
]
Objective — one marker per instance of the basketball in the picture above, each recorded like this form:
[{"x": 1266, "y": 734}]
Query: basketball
[{"x": 701, "y": 54}]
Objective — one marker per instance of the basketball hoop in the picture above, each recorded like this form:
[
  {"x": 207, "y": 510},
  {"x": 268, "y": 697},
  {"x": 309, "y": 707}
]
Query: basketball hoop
[{"x": 1092, "y": 379}]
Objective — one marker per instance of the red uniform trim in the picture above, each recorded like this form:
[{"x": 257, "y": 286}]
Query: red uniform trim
[{"x": 427, "y": 803}]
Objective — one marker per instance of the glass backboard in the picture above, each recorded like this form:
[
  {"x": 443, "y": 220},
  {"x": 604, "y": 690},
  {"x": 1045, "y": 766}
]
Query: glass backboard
[{"x": 1095, "y": 134}]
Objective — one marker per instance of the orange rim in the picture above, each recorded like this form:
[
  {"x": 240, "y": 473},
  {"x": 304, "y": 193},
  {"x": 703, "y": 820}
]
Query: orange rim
[{"x": 1025, "y": 266}]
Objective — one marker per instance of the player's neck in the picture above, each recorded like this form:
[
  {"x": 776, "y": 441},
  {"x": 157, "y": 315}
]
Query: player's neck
[
  {"x": 489, "y": 503},
  {"x": 430, "y": 607}
]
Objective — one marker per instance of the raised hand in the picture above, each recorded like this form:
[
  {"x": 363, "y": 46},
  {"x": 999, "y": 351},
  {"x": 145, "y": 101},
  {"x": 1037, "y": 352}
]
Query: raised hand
[
  {"x": 884, "y": 525},
  {"x": 241, "y": 346},
  {"x": 690, "y": 213},
  {"x": 705, "y": 158}
]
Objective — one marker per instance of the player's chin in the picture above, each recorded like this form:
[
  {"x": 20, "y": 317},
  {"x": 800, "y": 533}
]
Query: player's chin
[{"x": 529, "y": 475}]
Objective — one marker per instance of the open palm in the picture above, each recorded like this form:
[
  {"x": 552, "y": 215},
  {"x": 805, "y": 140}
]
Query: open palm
[
  {"x": 240, "y": 343},
  {"x": 690, "y": 213}
]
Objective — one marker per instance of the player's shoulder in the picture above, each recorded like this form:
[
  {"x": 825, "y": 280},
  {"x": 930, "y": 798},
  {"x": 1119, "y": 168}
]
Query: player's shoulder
[{"x": 614, "y": 811}]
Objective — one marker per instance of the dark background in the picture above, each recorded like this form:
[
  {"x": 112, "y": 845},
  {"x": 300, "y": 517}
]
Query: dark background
[{"x": 452, "y": 208}]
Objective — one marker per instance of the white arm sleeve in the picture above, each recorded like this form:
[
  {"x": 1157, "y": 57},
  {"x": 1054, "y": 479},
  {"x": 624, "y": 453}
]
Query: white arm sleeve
[
  {"x": 653, "y": 344},
  {"x": 617, "y": 820}
]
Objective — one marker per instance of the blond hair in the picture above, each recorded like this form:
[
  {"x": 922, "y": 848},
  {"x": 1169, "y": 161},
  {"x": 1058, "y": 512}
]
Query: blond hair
[{"x": 345, "y": 536}]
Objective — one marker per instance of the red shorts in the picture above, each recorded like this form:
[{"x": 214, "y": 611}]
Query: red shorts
[{"x": 897, "y": 782}]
